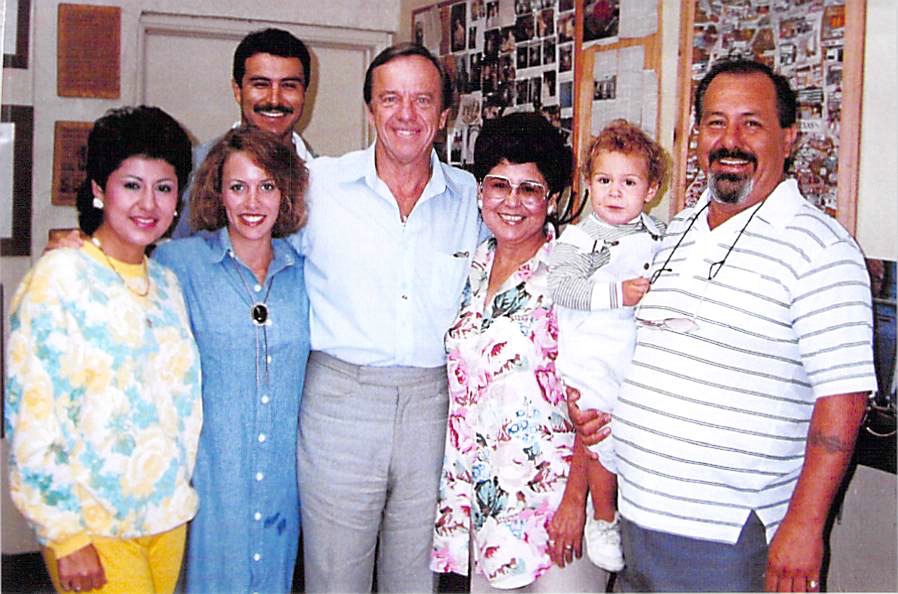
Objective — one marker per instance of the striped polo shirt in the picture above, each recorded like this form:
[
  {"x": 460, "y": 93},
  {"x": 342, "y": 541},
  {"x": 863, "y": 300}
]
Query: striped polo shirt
[{"x": 712, "y": 423}]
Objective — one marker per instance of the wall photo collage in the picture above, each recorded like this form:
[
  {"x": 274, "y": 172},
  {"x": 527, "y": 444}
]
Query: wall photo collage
[
  {"x": 805, "y": 42},
  {"x": 504, "y": 56}
]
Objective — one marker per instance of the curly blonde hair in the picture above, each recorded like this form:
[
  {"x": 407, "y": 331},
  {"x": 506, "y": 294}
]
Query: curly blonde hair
[
  {"x": 207, "y": 211},
  {"x": 621, "y": 136}
]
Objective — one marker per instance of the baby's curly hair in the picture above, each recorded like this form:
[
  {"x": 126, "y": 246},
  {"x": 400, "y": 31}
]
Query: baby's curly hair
[{"x": 623, "y": 137}]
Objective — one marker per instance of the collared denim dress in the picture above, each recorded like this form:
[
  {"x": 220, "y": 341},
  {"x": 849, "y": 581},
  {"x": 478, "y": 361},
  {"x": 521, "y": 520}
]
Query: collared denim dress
[{"x": 245, "y": 535}]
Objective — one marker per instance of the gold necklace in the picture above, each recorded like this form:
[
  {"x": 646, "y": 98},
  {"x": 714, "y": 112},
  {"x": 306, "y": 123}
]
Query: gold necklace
[{"x": 146, "y": 273}]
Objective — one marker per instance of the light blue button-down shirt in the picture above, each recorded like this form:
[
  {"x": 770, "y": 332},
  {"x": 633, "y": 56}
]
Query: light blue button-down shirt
[
  {"x": 244, "y": 537},
  {"x": 382, "y": 291}
]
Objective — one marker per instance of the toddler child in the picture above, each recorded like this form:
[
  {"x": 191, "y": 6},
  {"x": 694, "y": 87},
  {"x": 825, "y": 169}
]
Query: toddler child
[{"x": 597, "y": 275}]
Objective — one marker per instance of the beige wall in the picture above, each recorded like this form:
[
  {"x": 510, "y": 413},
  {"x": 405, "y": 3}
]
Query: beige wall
[
  {"x": 878, "y": 191},
  {"x": 864, "y": 557}
]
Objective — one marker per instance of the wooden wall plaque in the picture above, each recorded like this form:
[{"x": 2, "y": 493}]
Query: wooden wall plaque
[
  {"x": 89, "y": 51},
  {"x": 69, "y": 161}
]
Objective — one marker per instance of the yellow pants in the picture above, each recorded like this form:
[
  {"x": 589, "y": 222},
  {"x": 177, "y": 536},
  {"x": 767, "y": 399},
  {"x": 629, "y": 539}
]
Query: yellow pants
[{"x": 148, "y": 564}]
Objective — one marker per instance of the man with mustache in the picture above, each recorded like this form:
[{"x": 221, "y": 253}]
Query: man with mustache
[
  {"x": 753, "y": 363},
  {"x": 271, "y": 73}
]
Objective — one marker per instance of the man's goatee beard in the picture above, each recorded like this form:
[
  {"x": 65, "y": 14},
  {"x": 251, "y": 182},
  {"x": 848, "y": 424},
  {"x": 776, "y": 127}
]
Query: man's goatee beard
[{"x": 727, "y": 189}]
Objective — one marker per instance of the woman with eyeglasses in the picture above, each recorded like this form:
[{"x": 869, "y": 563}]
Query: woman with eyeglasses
[{"x": 511, "y": 507}]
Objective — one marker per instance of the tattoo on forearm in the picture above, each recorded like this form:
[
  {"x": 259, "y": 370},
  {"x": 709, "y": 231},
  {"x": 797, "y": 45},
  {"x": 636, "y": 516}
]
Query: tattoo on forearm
[{"x": 833, "y": 444}]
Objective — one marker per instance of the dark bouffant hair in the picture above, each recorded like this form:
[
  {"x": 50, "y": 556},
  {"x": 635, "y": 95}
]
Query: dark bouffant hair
[
  {"x": 288, "y": 171},
  {"x": 276, "y": 42},
  {"x": 524, "y": 137},
  {"x": 126, "y": 132},
  {"x": 621, "y": 136},
  {"x": 403, "y": 50},
  {"x": 786, "y": 105}
]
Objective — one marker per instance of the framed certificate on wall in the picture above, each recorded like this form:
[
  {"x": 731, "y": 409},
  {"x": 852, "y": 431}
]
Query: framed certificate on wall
[
  {"x": 69, "y": 161},
  {"x": 16, "y": 141},
  {"x": 88, "y": 51}
]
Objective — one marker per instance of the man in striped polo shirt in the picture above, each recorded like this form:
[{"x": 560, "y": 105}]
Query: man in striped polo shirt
[{"x": 739, "y": 413}]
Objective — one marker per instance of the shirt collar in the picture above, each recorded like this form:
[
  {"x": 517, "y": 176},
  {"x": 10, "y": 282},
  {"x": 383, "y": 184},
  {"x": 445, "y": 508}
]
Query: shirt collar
[
  {"x": 298, "y": 144},
  {"x": 546, "y": 250},
  {"x": 641, "y": 222},
  {"x": 651, "y": 226},
  {"x": 540, "y": 257},
  {"x": 219, "y": 243},
  {"x": 365, "y": 170},
  {"x": 779, "y": 207},
  {"x": 782, "y": 204}
]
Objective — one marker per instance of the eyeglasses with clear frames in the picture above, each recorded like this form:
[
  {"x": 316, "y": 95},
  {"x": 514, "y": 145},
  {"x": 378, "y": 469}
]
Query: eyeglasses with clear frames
[
  {"x": 681, "y": 325},
  {"x": 499, "y": 188}
]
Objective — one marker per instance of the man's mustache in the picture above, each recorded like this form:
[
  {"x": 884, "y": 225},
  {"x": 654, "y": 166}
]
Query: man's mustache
[
  {"x": 723, "y": 153},
  {"x": 269, "y": 107}
]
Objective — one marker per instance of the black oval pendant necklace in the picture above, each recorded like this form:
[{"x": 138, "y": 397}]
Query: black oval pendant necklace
[
  {"x": 260, "y": 313},
  {"x": 258, "y": 310}
]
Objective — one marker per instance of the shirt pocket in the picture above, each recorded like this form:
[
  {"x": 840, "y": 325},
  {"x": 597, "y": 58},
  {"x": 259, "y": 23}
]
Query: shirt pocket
[{"x": 447, "y": 273}]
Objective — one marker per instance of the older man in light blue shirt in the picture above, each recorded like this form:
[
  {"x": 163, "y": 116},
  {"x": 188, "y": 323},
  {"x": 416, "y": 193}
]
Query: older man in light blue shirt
[
  {"x": 386, "y": 290},
  {"x": 388, "y": 243}
]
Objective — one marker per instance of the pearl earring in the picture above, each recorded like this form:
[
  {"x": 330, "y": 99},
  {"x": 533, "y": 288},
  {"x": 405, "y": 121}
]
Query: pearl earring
[
  {"x": 480, "y": 203},
  {"x": 98, "y": 203}
]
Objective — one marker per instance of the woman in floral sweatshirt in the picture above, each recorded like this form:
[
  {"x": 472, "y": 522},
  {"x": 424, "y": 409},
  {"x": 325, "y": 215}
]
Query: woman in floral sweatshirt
[{"x": 103, "y": 408}]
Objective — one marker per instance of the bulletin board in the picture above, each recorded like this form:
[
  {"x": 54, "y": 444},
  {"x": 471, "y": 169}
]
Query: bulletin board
[
  {"x": 819, "y": 46},
  {"x": 581, "y": 63},
  {"x": 618, "y": 67},
  {"x": 503, "y": 56}
]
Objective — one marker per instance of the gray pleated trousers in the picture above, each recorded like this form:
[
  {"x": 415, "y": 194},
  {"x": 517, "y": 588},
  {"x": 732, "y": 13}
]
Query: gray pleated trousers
[{"x": 369, "y": 456}]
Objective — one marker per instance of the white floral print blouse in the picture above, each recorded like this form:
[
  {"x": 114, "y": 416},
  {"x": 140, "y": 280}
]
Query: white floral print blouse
[
  {"x": 103, "y": 407},
  {"x": 509, "y": 441}
]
